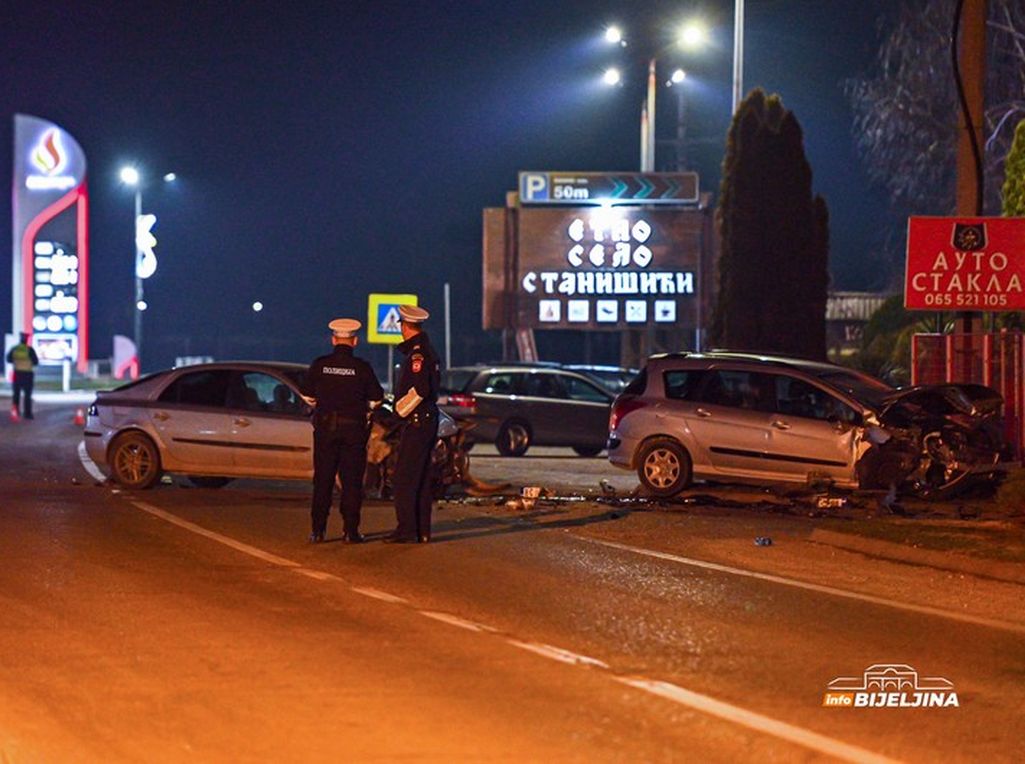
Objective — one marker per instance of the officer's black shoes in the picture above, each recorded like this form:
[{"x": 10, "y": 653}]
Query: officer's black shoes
[
  {"x": 316, "y": 537},
  {"x": 353, "y": 537},
  {"x": 395, "y": 538}
]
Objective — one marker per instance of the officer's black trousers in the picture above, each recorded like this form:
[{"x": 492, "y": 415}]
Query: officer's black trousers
[
  {"x": 339, "y": 450},
  {"x": 23, "y": 384},
  {"x": 412, "y": 481}
]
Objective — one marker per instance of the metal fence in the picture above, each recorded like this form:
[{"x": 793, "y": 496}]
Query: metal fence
[{"x": 995, "y": 360}]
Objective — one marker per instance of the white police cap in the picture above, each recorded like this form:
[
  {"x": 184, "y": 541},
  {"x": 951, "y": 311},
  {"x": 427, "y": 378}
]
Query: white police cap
[
  {"x": 413, "y": 314},
  {"x": 344, "y": 327}
]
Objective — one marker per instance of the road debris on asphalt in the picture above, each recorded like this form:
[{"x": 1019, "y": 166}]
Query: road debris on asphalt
[{"x": 812, "y": 501}]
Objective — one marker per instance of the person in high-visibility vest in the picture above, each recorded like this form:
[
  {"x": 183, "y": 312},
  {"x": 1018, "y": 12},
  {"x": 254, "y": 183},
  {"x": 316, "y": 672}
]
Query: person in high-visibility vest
[{"x": 25, "y": 360}]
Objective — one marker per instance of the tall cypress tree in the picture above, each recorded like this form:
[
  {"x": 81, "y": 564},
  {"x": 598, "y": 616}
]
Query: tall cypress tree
[{"x": 773, "y": 268}]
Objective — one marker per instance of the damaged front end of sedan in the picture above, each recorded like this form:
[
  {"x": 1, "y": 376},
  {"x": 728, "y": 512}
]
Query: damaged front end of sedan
[{"x": 932, "y": 441}]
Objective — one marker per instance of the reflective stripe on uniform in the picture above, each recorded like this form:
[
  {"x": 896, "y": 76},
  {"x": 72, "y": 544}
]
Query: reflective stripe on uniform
[{"x": 405, "y": 405}]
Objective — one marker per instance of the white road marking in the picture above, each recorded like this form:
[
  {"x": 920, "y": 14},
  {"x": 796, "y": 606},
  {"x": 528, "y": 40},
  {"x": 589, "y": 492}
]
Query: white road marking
[
  {"x": 377, "y": 594},
  {"x": 821, "y": 588},
  {"x": 238, "y": 546},
  {"x": 757, "y": 722},
  {"x": 703, "y": 703},
  {"x": 453, "y": 620},
  {"x": 89, "y": 464},
  {"x": 558, "y": 654},
  {"x": 318, "y": 575}
]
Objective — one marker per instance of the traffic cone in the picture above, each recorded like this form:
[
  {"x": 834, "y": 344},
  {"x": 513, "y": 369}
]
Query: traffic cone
[
  {"x": 14, "y": 414},
  {"x": 79, "y": 417}
]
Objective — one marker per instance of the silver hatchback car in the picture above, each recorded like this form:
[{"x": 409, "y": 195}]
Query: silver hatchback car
[{"x": 738, "y": 417}]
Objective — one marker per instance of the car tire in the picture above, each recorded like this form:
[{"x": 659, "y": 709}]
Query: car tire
[
  {"x": 588, "y": 450},
  {"x": 209, "y": 481},
  {"x": 513, "y": 438},
  {"x": 134, "y": 461},
  {"x": 664, "y": 467}
]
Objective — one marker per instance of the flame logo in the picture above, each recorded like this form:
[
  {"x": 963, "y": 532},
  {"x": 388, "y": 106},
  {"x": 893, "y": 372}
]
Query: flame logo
[{"x": 48, "y": 156}]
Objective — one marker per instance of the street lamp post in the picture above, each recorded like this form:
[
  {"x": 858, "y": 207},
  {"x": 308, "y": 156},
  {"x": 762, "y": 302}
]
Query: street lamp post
[
  {"x": 649, "y": 159},
  {"x": 131, "y": 177},
  {"x": 738, "y": 53},
  {"x": 676, "y": 81},
  {"x": 140, "y": 303}
]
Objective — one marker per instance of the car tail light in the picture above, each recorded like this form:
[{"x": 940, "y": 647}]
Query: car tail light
[
  {"x": 624, "y": 405},
  {"x": 463, "y": 401}
]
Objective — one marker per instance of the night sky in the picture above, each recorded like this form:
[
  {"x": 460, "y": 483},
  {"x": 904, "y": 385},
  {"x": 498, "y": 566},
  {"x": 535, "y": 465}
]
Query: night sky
[{"x": 325, "y": 151}]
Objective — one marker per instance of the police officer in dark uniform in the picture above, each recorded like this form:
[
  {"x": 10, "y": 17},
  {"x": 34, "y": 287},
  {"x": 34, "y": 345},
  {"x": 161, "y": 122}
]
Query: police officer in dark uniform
[
  {"x": 344, "y": 388},
  {"x": 416, "y": 401}
]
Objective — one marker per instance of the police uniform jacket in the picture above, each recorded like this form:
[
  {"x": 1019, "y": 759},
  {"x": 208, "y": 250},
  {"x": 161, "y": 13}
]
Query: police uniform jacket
[
  {"x": 343, "y": 385},
  {"x": 417, "y": 391}
]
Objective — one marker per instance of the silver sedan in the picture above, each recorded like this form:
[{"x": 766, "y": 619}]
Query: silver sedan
[{"x": 212, "y": 422}]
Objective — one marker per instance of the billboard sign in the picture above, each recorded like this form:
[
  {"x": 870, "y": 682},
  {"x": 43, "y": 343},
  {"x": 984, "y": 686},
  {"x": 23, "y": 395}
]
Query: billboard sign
[
  {"x": 604, "y": 187},
  {"x": 50, "y": 241},
  {"x": 594, "y": 267},
  {"x": 383, "y": 317},
  {"x": 965, "y": 264}
]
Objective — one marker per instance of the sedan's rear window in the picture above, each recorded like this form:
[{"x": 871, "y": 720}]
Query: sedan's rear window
[{"x": 199, "y": 388}]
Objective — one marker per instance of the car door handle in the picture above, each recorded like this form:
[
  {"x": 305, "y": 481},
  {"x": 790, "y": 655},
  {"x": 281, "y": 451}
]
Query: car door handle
[
  {"x": 160, "y": 416},
  {"x": 242, "y": 421},
  {"x": 779, "y": 424},
  {"x": 703, "y": 413}
]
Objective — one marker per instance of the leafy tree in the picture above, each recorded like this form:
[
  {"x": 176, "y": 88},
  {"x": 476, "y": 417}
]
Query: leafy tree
[
  {"x": 773, "y": 269},
  {"x": 906, "y": 114},
  {"x": 1014, "y": 206},
  {"x": 886, "y": 341},
  {"x": 1014, "y": 175}
]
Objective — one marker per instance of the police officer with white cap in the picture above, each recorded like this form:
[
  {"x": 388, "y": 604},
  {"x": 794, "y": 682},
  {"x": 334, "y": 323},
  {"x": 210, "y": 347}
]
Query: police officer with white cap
[
  {"x": 344, "y": 389},
  {"x": 416, "y": 397}
]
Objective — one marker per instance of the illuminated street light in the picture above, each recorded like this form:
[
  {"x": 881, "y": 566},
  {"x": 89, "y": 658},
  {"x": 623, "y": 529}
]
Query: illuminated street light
[
  {"x": 693, "y": 35},
  {"x": 170, "y": 178},
  {"x": 257, "y": 306},
  {"x": 141, "y": 306},
  {"x": 614, "y": 35},
  {"x": 129, "y": 176}
]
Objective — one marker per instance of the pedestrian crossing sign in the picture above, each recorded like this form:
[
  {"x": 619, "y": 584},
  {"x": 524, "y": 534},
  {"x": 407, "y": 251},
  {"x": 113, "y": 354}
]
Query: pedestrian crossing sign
[{"x": 383, "y": 317}]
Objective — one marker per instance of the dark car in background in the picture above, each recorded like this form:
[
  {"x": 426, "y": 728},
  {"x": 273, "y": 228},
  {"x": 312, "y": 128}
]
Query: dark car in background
[
  {"x": 516, "y": 406},
  {"x": 612, "y": 378}
]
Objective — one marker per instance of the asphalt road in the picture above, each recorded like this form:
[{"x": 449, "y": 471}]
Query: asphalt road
[{"x": 187, "y": 624}]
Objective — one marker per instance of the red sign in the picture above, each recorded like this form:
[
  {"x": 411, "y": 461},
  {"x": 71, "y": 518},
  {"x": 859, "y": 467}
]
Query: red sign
[{"x": 965, "y": 264}]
